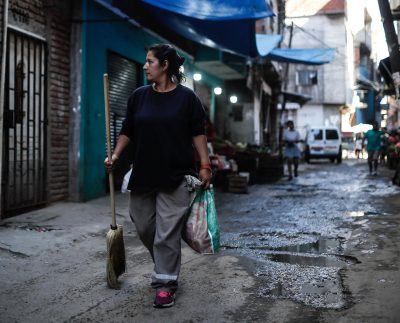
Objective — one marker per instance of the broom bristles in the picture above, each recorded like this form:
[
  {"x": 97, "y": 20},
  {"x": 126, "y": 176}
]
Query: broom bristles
[{"x": 116, "y": 261}]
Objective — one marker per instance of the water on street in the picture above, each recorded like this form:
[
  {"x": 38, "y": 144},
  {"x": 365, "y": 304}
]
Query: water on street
[
  {"x": 300, "y": 238},
  {"x": 321, "y": 248}
]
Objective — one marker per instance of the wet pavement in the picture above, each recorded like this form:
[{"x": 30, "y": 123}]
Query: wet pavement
[
  {"x": 298, "y": 237},
  {"x": 324, "y": 247}
]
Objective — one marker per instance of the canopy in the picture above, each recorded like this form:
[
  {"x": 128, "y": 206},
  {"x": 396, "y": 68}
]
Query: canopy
[
  {"x": 215, "y": 9},
  {"x": 303, "y": 56},
  {"x": 222, "y": 24},
  {"x": 266, "y": 43},
  {"x": 227, "y": 25}
]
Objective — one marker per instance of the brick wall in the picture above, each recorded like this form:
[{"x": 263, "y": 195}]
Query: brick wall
[
  {"x": 51, "y": 20},
  {"x": 59, "y": 106}
]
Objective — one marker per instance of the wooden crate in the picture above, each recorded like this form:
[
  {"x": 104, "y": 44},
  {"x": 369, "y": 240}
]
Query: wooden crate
[{"x": 237, "y": 184}]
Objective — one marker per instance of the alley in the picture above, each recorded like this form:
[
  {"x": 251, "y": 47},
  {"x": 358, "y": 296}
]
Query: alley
[{"x": 321, "y": 248}]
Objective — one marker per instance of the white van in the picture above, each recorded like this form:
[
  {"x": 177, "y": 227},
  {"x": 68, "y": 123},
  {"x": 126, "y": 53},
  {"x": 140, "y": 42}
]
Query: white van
[{"x": 323, "y": 142}]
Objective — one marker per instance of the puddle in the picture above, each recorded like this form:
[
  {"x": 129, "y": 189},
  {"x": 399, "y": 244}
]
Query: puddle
[
  {"x": 303, "y": 260},
  {"x": 362, "y": 213},
  {"x": 301, "y": 267},
  {"x": 313, "y": 286},
  {"x": 295, "y": 243},
  {"x": 322, "y": 245}
]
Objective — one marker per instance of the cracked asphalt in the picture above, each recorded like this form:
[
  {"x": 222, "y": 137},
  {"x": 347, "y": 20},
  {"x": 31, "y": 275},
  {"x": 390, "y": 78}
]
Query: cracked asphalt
[{"x": 321, "y": 248}]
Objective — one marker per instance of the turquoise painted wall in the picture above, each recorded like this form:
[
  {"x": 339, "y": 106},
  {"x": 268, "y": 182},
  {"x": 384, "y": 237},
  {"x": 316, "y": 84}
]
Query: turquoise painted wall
[{"x": 97, "y": 38}]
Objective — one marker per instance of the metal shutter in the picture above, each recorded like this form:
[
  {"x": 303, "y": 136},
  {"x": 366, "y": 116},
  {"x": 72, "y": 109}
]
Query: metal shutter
[{"x": 123, "y": 77}]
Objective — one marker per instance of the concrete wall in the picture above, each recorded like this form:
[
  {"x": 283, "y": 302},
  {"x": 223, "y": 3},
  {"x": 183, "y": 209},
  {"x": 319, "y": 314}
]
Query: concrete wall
[
  {"x": 241, "y": 131},
  {"x": 308, "y": 116},
  {"x": 321, "y": 31},
  {"x": 332, "y": 88},
  {"x": 316, "y": 115}
]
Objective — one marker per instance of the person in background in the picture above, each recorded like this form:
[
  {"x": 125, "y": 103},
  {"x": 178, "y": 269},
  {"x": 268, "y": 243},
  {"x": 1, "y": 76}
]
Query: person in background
[
  {"x": 374, "y": 138},
  {"x": 359, "y": 146},
  {"x": 292, "y": 152},
  {"x": 384, "y": 145},
  {"x": 166, "y": 122}
]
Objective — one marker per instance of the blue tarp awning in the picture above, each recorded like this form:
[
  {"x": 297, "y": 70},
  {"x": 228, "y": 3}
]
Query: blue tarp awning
[
  {"x": 215, "y": 9},
  {"x": 303, "y": 56},
  {"x": 266, "y": 43},
  {"x": 227, "y": 25},
  {"x": 222, "y": 24}
]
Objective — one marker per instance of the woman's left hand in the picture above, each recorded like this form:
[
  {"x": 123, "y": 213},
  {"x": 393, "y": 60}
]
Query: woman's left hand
[{"x": 205, "y": 176}]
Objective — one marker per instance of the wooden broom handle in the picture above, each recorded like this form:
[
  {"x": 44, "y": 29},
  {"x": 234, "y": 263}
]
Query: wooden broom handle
[{"x": 109, "y": 152}]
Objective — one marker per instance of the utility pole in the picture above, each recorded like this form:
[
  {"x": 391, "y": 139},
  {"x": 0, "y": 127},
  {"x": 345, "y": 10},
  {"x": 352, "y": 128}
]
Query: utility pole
[{"x": 392, "y": 42}]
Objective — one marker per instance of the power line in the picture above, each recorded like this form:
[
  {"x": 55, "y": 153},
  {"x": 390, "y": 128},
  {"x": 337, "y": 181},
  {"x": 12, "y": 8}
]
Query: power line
[{"x": 319, "y": 40}]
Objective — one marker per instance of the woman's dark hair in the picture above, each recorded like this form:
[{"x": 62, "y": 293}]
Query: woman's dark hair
[{"x": 166, "y": 52}]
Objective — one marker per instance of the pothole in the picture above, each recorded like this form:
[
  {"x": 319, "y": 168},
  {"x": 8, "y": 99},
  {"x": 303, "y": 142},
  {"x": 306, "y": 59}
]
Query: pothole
[
  {"x": 305, "y": 268},
  {"x": 303, "y": 260}
]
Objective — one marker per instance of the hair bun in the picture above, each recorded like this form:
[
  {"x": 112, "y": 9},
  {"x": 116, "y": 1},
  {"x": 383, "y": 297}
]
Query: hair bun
[{"x": 181, "y": 60}]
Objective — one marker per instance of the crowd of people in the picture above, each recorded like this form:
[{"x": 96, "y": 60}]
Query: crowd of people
[
  {"x": 382, "y": 147},
  {"x": 389, "y": 147}
]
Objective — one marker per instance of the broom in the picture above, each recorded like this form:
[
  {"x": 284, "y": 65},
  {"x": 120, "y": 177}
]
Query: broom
[{"x": 115, "y": 241}]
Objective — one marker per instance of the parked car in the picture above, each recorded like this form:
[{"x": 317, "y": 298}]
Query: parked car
[{"x": 323, "y": 142}]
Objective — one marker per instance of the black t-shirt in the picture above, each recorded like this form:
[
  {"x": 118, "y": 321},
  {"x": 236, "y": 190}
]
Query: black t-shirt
[{"x": 161, "y": 126}]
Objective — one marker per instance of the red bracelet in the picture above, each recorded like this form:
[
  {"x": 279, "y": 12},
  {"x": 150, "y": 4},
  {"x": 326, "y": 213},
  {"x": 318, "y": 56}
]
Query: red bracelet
[{"x": 206, "y": 166}]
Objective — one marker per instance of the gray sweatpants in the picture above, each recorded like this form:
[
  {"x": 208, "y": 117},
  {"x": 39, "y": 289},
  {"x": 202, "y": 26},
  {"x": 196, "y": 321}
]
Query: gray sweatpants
[{"x": 158, "y": 216}]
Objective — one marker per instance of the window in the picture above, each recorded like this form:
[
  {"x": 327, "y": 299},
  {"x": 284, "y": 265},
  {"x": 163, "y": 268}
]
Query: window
[
  {"x": 332, "y": 134},
  {"x": 316, "y": 134},
  {"x": 237, "y": 113},
  {"x": 307, "y": 78}
]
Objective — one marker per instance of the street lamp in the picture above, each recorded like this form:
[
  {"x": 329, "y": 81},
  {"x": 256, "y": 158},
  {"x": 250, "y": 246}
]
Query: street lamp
[
  {"x": 217, "y": 91},
  {"x": 197, "y": 76},
  {"x": 233, "y": 99}
]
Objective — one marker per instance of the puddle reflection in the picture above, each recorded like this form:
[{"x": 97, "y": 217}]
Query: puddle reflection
[
  {"x": 302, "y": 260},
  {"x": 362, "y": 213}
]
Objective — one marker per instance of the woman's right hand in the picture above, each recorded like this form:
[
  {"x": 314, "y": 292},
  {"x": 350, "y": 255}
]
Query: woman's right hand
[{"x": 109, "y": 165}]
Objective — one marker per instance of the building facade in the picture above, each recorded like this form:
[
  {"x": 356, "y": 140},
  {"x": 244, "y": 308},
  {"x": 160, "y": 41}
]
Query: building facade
[
  {"x": 345, "y": 92},
  {"x": 35, "y": 109},
  {"x": 318, "y": 24},
  {"x": 54, "y": 55}
]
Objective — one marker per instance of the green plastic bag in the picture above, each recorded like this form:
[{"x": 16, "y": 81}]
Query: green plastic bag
[{"x": 201, "y": 230}]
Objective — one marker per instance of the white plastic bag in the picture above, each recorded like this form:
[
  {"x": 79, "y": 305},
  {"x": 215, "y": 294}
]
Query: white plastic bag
[{"x": 124, "y": 187}]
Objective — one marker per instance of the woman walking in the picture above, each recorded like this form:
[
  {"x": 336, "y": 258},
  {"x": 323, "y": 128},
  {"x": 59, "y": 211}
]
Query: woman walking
[
  {"x": 165, "y": 121},
  {"x": 292, "y": 153}
]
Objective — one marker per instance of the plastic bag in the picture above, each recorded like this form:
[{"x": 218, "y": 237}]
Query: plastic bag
[
  {"x": 125, "y": 182},
  {"x": 201, "y": 230}
]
